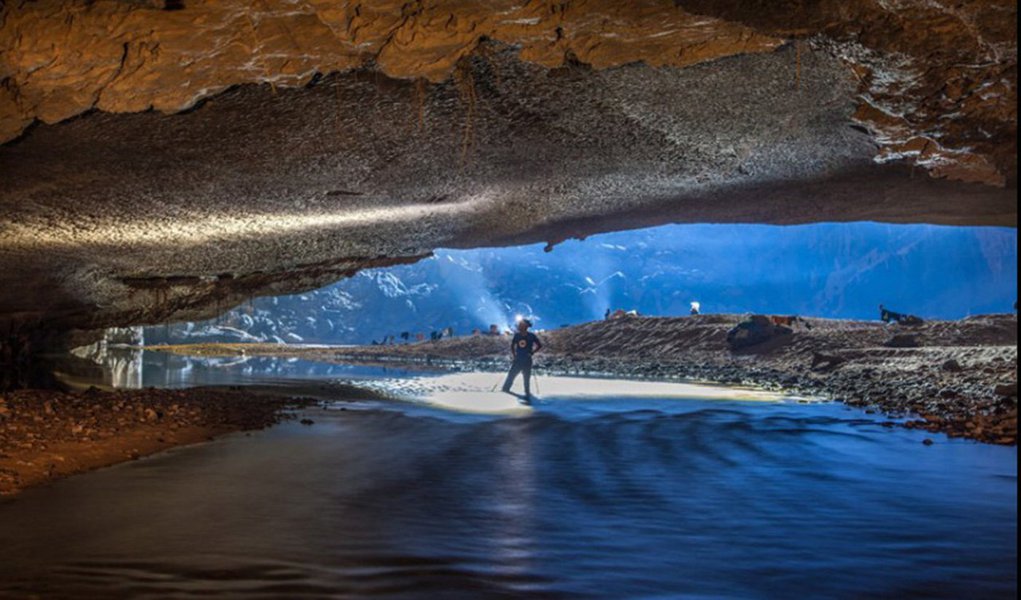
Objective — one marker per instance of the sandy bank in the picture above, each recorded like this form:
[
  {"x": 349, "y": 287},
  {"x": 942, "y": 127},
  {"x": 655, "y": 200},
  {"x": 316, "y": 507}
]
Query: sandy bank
[
  {"x": 955, "y": 377},
  {"x": 46, "y": 435}
]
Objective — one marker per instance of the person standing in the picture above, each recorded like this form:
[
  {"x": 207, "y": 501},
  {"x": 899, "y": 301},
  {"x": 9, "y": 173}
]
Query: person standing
[{"x": 523, "y": 345}]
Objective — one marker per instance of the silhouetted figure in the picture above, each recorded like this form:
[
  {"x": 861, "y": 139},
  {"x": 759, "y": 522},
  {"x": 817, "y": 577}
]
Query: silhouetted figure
[
  {"x": 523, "y": 345},
  {"x": 405, "y": 335},
  {"x": 696, "y": 308},
  {"x": 606, "y": 316}
]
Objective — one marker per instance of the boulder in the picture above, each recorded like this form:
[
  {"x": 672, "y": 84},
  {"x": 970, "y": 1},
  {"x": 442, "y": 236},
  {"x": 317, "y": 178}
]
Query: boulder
[
  {"x": 758, "y": 332},
  {"x": 952, "y": 366},
  {"x": 903, "y": 340},
  {"x": 826, "y": 361},
  {"x": 1007, "y": 390}
]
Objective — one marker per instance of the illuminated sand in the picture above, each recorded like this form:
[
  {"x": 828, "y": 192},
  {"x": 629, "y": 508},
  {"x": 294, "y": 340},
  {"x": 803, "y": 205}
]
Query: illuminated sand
[{"x": 480, "y": 392}]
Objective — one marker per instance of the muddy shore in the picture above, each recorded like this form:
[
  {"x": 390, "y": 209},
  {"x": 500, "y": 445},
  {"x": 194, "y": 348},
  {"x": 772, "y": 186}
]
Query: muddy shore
[
  {"x": 47, "y": 434},
  {"x": 953, "y": 377}
]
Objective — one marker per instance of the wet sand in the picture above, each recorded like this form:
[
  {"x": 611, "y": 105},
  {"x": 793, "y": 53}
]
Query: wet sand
[
  {"x": 952, "y": 377},
  {"x": 479, "y": 392}
]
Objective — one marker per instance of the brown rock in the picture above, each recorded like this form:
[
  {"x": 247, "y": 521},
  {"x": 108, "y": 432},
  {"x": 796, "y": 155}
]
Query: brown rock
[
  {"x": 126, "y": 57},
  {"x": 916, "y": 60},
  {"x": 952, "y": 366},
  {"x": 1007, "y": 390},
  {"x": 903, "y": 340}
]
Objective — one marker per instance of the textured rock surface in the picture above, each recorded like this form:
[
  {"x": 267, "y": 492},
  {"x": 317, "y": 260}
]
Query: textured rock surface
[
  {"x": 63, "y": 58},
  {"x": 937, "y": 79},
  {"x": 46, "y": 435},
  {"x": 127, "y": 219},
  {"x": 463, "y": 124}
]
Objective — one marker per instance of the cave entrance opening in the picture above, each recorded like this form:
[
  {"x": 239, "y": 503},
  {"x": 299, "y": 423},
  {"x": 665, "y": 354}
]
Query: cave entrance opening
[{"x": 829, "y": 270}]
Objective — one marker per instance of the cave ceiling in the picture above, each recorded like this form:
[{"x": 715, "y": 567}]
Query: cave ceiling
[{"x": 166, "y": 160}]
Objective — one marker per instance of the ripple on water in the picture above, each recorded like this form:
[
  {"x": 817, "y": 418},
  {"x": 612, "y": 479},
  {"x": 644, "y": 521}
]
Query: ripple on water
[{"x": 602, "y": 498}]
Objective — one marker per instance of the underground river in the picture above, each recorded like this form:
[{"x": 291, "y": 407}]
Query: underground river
[{"x": 599, "y": 489}]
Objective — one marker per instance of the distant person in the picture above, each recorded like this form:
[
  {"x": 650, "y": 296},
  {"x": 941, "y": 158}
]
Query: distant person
[
  {"x": 494, "y": 329},
  {"x": 405, "y": 335},
  {"x": 606, "y": 317},
  {"x": 696, "y": 308},
  {"x": 523, "y": 345}
]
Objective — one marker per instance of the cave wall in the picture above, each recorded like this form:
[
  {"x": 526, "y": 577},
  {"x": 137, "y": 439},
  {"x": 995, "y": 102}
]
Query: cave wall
[
  {"x": 937, "y": 79},
  {"x": 168, "y": 164}
]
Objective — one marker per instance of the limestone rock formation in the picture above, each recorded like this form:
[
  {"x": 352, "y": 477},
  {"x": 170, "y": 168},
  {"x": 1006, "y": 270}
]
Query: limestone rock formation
[
  {"x": 937, "y": 79},
  {"x": 183, "y": 160},
  {"x": 63, "y": 58}
]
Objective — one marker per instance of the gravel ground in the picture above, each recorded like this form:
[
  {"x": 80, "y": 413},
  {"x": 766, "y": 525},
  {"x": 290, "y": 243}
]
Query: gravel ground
[{"x": 45, "y": 434}]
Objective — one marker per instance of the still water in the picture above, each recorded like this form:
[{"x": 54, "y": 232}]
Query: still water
[{"x": 575, "y": 497}]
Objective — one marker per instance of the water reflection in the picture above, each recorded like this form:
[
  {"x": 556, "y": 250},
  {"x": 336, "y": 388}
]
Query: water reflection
[
  {"x": 634, "y": 499},
  {"x": 602, "y": 496},
  {"x": 119, "y": 366},
  {"x": 514, "y": 510},
  {"x": 135, "y": 368}
]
